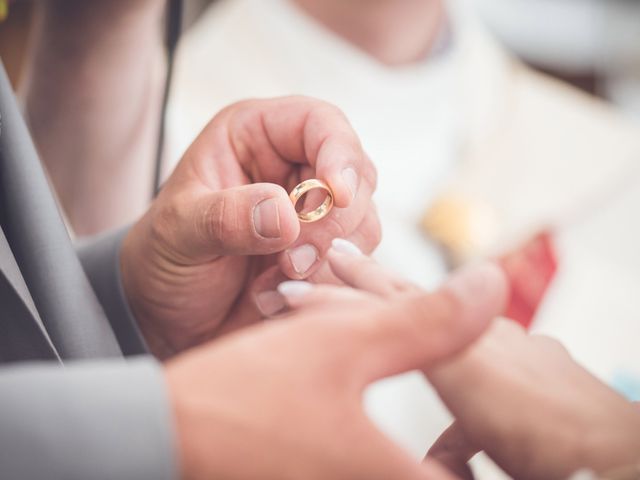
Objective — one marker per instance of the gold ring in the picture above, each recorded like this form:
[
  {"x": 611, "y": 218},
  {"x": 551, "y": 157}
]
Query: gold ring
[{"x": 320, "y": 212}]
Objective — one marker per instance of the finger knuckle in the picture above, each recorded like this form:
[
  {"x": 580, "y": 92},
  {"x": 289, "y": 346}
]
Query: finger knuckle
[
  {"x": 335, "y": 226},
  {"x": 549, "y": 344},
  {"x": 400, "y": 285},
  {"x": 442, "y": 308},
  {"x": 302, "y": 100},
  {"x": 506, "y": 327},
  {"x": 430, "y": 316},
  {"x": 211, "y": 224},
  {"x": 322, "y": 108},
  {"x": 164, "y": 216}
]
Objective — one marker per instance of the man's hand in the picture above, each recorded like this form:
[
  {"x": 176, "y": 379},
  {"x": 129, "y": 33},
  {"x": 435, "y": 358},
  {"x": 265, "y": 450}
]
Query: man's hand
[
  {"x": 283, "y": 399},
  {"x": 224, "y": 218},
  {"x": 534, "y": 410}
]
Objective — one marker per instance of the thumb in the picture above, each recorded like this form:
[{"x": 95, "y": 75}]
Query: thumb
[
  {"x": 419, "y": 330},
  {"x": 255, "y": 219},
  {"x": 453, "y": 451}
]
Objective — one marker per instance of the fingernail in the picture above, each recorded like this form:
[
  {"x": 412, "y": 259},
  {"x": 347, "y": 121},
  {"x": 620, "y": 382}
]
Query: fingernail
[
  {"x": 303, "y": 257},
  {"x": 266, "y": 218},
  {"x": 350, "y": 177},
  {"x": 474, "y": 281},
  {"x": 270, "y": 302},
  {"x": 294, "y": 288},
  {"x": 584, "y": 474},
  {"x": 341, "y": 245}
]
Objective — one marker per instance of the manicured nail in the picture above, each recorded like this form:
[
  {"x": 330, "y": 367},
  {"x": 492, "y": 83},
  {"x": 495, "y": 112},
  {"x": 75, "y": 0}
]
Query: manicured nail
[
  {"x": 350, "y": 177},
  {"x": 294, "y": 289},
  {"x": 270, "y": 302},
  {"x": 266, "y": 218},
  {"x": 303, "y": 257},
  {"x": 341, "y": 245},
  {"x": 475, "y": 280}
]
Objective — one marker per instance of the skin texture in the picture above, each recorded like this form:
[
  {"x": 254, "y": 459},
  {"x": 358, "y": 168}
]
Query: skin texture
[
  {"x": 521, "y": 398},
  {"x": 283, "y": 399},
  {"x": 190, "y": 266},
  {"x": 535, "y": 411},
  {"x": 92, "y": 93},
  {"x": 273, "y": 392},
  {"x": 395, "y": 32}
]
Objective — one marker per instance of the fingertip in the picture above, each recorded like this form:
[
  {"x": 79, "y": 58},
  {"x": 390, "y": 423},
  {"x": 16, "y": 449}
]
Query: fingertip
[
  {"x": 352, "y": 181},
  {"x": 275, "y": 217},
  {"x": 269, "y": 302},
  {"x": 482, "y": 287},
  {"x": 345, "y": 247},
  {"x": 466, "y": 305},
  {"x": 300, "y": 261},
  {"x": 294, "y": 288},
  {"x": 289, "y": 222},
  {"x": 497, "y": 277},
  {"x": 265, "y": 292},
  {"x": 344, "y": 184}
]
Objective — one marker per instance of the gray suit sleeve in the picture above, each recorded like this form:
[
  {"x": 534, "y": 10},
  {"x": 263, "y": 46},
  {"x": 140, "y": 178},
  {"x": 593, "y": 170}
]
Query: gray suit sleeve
[
  {"x": 100, "y": 257},
  {"x": 107, "y": 420}
]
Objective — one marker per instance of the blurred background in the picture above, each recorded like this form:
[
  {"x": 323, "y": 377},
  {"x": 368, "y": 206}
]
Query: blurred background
[
  {"x": 505, "y": 129},
  {"x": 593, "y": 44}
]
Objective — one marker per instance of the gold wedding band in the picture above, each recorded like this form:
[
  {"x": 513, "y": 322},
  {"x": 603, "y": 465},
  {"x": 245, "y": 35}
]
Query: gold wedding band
[{"x": 320, "y": 212}]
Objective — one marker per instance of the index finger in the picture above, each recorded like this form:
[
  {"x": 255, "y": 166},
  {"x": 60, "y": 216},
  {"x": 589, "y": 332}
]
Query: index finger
[
  {"x": 303, "y": 257},
  {"x": 310, "y": 132},
  {"x": 410, "y": 330},
  {"x": 329, "y": 144},
  {"x": 454, "y": 451}
]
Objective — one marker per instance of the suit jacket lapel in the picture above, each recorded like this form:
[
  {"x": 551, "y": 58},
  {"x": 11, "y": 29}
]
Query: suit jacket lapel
[
  {"x": 40, "y": 243},
  {"x": 9, "y": 269}
]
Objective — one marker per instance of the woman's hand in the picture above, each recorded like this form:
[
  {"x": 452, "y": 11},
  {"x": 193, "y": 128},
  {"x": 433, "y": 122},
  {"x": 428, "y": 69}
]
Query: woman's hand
[
  {"x": 538, "y": 414},
  {"x": 519, "y": 397}
]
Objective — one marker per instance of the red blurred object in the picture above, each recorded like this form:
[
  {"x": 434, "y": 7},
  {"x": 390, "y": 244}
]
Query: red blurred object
[{"x": 530, "y": 270}]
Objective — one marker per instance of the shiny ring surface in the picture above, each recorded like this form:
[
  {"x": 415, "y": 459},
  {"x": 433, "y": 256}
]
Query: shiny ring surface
[{"x": 324, "y": 208}]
